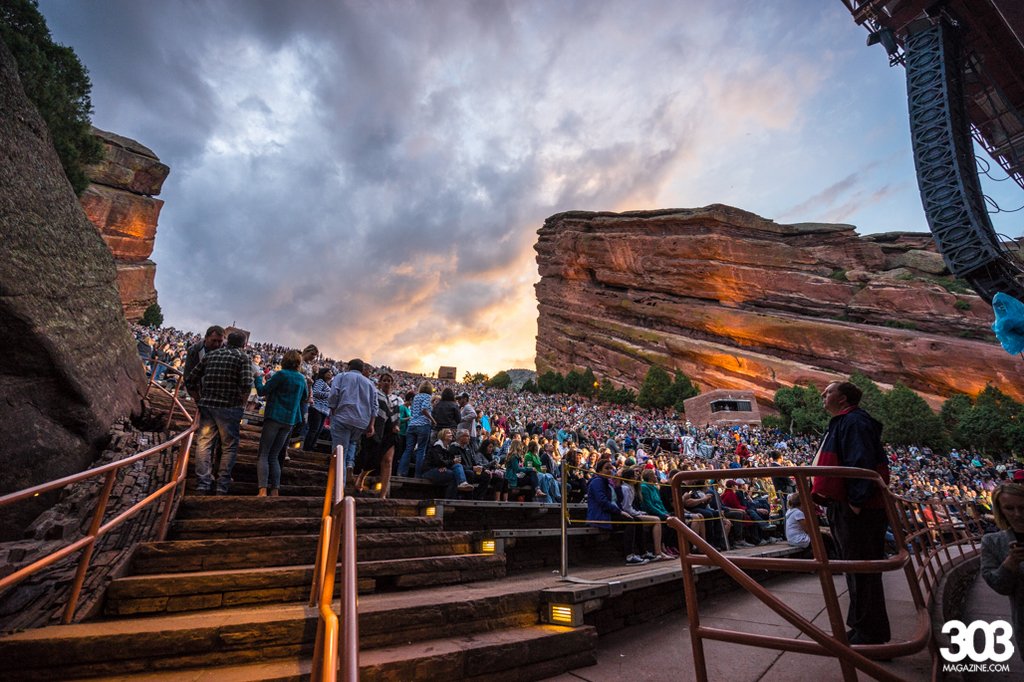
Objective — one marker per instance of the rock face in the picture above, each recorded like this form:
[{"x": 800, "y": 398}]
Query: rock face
[
  {"x": 119, "y": 202},
  {"x": 740, "y": 302},
  {"x": 69, "y": 366}
]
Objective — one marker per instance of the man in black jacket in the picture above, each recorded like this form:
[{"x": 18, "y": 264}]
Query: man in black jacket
[{"x": 856, "y": 510}]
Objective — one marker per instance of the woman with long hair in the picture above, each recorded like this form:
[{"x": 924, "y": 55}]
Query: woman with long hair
[
  {"x": 285, "y": 393},
  {"x": 1003, "y": 552}
]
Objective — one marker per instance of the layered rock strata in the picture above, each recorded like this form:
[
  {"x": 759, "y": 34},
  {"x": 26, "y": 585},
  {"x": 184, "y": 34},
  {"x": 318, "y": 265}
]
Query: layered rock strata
[
  {"x": 120, "y": 203},
  {"x": 69, "y": 366},
  {"x": 740, "y": 302}
]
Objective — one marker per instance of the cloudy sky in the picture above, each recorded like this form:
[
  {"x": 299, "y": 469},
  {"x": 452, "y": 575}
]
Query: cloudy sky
[{"x": 370, "y": 176}]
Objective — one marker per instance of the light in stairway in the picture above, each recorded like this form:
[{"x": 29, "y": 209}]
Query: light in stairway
[{"x": 566, "y": 614}]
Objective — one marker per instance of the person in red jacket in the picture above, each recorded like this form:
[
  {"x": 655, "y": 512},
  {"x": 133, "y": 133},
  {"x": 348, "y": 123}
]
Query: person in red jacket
[{"x": 751, "y": 531}]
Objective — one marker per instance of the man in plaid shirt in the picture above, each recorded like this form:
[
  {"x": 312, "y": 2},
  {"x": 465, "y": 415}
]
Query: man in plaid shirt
[{"x": 222, "y": 380}]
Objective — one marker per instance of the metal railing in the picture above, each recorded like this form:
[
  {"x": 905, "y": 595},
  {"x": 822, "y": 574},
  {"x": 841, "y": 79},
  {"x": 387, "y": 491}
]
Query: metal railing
[
  {"x": 933, "y": 545},
  {"x": 338, "y": 527},
  {"x": 97, "y": 527}
]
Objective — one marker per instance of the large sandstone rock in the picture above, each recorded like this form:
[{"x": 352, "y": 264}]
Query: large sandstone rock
[
  {"x": 736, "y": 301},
  {"x": 119, "y": 202},
  {"x": 69, "y": 366}
]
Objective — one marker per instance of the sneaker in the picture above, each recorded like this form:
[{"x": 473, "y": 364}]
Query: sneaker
[
  {"x": 635, "y": 560},
  {"x": 762, "y": 543},
  {"x": 654, "y": 557},
  {"x": 742, "y": 544},
  {"x": 466, "y": 487},
  {"x": 649, "y": 556},
  {"x": 665, "y": 557}
]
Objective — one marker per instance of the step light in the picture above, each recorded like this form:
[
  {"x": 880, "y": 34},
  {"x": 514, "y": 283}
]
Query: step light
[
  {"x": 566, "y": 614},
  {"x": 487, "y": 546},
  {"x": 430, "y": 511}
]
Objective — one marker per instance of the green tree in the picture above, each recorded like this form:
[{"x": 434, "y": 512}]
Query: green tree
[
  {"x": 153, "y": 317},
  {"x": 800, "y": 407},
  {"x": 681, "y": 389},
  {"x": 625, "y": 396},
  {"x": 588, "y": 383},
  {"x": 952, "y": 414},
  {"x": 500, "y": 380},
  {"x": 655, "y": 390},
  {"x": 873, "y": 398},
  {"x": 529, "y": 386},
  {"x": 551, "y": 382},
  {"x": 572, "y": 382},
  {"x": 57, "y": 83},
  {"x": 909, "y": 420},
  {"x": 992, "y": 424}
]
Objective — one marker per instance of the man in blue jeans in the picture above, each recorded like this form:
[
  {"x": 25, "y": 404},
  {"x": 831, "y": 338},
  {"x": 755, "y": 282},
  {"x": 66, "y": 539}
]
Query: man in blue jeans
[
  {"x": 353, "y": 404},
  {"x": 222, "y": 380}
]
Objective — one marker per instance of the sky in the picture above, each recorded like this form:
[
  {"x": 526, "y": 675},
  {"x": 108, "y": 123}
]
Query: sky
[{"x": 370, "y": 176}]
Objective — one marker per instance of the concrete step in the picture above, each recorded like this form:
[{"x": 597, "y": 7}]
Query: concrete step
[
  {"x": 245, "y": 472},
  {"x": 199, "y": 529},
  {"x": 232, "y": 507},
  {"x": 241, "y": 635},
  {"x": 182, "y": 556},
  {"x": 202, "y": 590},
  {"x": 526, "y": 653}
]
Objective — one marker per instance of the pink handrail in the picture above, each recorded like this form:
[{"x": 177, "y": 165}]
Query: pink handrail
[{"x": 97, "y": 529}]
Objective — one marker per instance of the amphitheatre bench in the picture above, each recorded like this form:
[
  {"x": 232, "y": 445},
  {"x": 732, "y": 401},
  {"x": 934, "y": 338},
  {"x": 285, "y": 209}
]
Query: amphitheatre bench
[{"x": 412, "y": 488}]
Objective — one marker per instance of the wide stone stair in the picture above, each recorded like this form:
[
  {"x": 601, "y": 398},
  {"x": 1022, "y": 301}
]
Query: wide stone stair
[{"x": 224, "y": 597}]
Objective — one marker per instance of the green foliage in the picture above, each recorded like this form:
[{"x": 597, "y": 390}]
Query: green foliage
[
  {"x": 551, "y": 382},
  {"x": 571, "y": 385},
  {"x": 873, "y": 398},
  {"x": 618, "y": 396},
  {"x": 654, "y": 392},
  {"x": 774, "y": 421},
  {"x": 839, "y": 275},
  {"x": 474, "y": 378},
  {"x": 499, "y": 380},
  {"x": 681, "y": 389},
  {"x": 908, "y": 420},
  {"x": 153, "y": 316},
  {"x": 57, "y": 83},
  {"x": 588, "y": 384},
  {"x": 801, "y": 410},
  {"x": 952, "y": 415},
  {"x": 530, "y": 387},
  {"x": 993, "y": 424},
  {"x": 962, "y": 305},
  {"x": 900, "y": 324}
]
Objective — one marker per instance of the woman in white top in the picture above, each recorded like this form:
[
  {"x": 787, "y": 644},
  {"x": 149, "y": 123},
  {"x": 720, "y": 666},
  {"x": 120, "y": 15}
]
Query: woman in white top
[{"x": 796, "y": 523}]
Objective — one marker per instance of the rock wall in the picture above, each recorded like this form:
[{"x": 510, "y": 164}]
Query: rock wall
[
  {"x": 119, "y": 202},
  {"x": 740, "y": 302},
  {"x": 69, "y": 367}
]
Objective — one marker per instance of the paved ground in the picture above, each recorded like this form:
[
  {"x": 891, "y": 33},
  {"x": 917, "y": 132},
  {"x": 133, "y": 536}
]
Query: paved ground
[{"x": 661, "y": 650}]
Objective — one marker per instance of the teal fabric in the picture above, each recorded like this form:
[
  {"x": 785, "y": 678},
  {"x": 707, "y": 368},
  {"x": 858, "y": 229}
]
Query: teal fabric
[{"x": 285, "y": 393}]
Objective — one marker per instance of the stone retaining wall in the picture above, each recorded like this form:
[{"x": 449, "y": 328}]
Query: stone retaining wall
[{"x": 39, "y": 600}]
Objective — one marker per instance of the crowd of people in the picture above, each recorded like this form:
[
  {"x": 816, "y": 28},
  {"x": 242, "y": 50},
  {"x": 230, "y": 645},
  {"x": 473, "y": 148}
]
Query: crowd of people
[
  {"x": 535, "y": 427},
  {"x": 500, "y": 444}
]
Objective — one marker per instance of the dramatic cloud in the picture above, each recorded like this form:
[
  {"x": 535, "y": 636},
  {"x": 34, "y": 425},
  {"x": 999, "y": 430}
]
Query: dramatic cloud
[{"x": 371, "y": 176}]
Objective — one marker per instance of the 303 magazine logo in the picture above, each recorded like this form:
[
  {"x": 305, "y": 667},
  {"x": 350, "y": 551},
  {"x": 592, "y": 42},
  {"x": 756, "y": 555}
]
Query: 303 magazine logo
[{"x": 988, "y": 646}]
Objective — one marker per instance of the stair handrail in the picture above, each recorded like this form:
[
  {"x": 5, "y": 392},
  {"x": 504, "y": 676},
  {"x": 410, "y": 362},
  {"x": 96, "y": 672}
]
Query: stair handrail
[
  {"x": 97, "y": 528},
  {"x": 921, "y": 565},
  {"x": 338, "y": 527}
]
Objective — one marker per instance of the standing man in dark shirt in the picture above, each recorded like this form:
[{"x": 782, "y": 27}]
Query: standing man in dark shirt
[
  {"x": 222, "y": 380},
  {"x": 213, "y": 340},
  {"x": 856, "y": 510}
]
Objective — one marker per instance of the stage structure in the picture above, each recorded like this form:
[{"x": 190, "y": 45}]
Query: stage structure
[{"x": 965, "y": 79}]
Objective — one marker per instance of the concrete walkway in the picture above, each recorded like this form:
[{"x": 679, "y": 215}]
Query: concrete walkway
[{"x": 660, "y": 650}]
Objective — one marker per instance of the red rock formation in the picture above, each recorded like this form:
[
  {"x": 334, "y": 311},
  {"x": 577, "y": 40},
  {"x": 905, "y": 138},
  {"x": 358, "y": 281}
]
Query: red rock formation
[
  {"x": 736, "y": 301},
  {"x": 69, "y": 366},
  {"x": 119, "y": 202}
]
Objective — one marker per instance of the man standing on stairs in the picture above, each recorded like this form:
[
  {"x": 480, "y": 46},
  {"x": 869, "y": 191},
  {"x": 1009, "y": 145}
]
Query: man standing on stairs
[
  {"x": 353, "y": 404},
  {"x": 856, "y": 507},
  {"x": 222, "y": 380}
]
